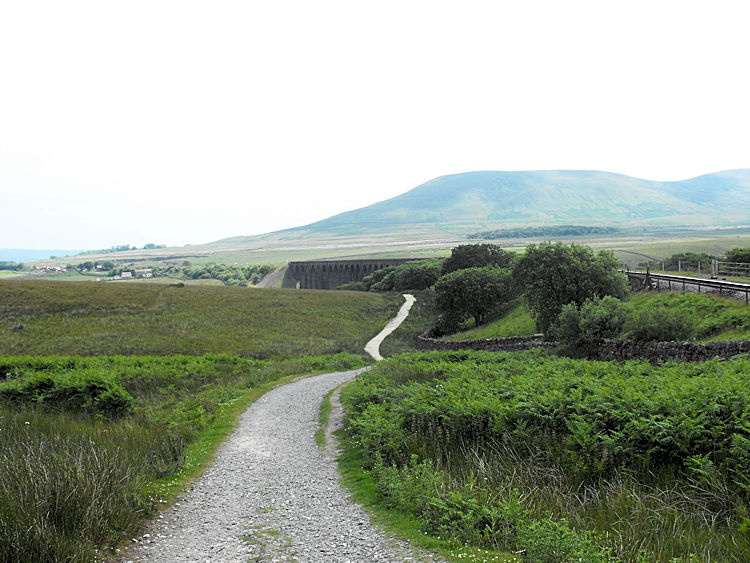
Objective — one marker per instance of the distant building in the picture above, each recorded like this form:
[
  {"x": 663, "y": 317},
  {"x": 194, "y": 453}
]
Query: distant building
[
  {"x": 126, "y": 275},
  {"x": 144, "y": 272}
]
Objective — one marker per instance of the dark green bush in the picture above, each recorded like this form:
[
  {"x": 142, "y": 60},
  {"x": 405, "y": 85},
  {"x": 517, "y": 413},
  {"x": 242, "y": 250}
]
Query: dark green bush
[
  {"x": 661, "y": 324},
  {"x": 598, "y": 318},
  {"x": 553, "y": 275},
  {"x": 354, "y": 286},
  {"x": 420, "y": 274},
  {"x": 377, "y": 279},
  {"x": 739, "y": 255}
]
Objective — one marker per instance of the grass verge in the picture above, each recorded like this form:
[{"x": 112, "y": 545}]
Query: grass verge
[{"x": 325, "y": 414}]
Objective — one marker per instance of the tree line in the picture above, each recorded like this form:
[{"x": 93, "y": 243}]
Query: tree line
[
  {"x": 477, "y": 281},
  {"x": 545, "y": 231}
]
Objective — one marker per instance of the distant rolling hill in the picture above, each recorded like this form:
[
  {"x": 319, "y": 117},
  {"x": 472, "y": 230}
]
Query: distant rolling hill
[{"x": 473, "y": 201}]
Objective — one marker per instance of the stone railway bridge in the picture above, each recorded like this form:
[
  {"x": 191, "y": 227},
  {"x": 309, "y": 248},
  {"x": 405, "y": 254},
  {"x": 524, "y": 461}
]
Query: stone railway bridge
[{"x": 329, "y": 274}]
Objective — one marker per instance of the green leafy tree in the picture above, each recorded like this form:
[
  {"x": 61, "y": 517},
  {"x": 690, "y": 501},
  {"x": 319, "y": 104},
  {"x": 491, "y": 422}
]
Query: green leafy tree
[
  {"x": 420, "y": 274},
  {"x": 739, "y": 255},
  {"x": 472, "y": 292},
  {"x": 552, "y": 275},
  {"x": 376, "y": 280},
  {"x": 477, "y": 256}
]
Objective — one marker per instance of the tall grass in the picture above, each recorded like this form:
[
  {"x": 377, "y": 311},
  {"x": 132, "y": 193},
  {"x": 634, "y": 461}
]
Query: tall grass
[
  {"x": 74, "y": 482},
  {"x": 662, "y": 521},
  {"x": 69, "y": 485},
  {"x": 74, "y": 318}
]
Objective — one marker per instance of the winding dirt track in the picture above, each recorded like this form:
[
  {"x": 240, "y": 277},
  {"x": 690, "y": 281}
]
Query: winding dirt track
[
  {"x": 271, "y": 495},
  {"x": 373, "y": 346}
]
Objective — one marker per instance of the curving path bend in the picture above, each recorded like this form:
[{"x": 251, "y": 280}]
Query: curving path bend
[
  {"x": 271, "y": 495},
  {"x": 373, "y": 346}
]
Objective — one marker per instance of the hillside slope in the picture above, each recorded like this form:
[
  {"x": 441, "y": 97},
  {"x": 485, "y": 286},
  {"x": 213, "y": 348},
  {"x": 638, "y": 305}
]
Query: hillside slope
[{"x": 462, "y": 203}]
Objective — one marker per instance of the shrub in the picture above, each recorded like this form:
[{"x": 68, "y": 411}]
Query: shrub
[
  {"x": 688, "y": 261},
  {"x": 567, "y": 327},
  {"x": 598, "y": 318},
  {"x": 354, "y": 286},
  {"x": 73, "y": 392},
  {"x": 739, "y": 255},
  {"x": 420, "y": 274},
  {"x": 378, "y": 276},
  {"x": 415, "y": 275},
  {"x": 662, "y": 324}
]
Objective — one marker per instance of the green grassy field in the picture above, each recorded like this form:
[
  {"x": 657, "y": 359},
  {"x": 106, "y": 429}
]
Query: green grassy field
[
  {"x": 715, "y": 318},
  {"x": 93, "y": 319},
  {"x": 517, "y": 322}
]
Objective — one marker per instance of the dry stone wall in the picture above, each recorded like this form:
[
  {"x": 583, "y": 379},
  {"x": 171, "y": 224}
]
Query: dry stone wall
[
  {"x": 618, "y": 349},
  {"x": 507, "y": 344},
  {"x": 664, "y": 351}
]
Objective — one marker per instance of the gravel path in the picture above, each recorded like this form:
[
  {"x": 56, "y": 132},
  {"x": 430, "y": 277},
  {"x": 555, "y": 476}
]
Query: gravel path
[
  {"x": 271, "y": 495},
  {"x": 373, "y": 346}
]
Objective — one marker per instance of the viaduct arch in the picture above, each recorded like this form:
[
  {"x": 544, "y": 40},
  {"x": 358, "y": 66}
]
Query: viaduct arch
[{"x": 329, "y": 274}]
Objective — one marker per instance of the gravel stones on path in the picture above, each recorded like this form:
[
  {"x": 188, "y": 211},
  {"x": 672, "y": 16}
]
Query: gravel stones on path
[
  {"x": 373, "y": 346},
  {"x": 271, "y": 495}
]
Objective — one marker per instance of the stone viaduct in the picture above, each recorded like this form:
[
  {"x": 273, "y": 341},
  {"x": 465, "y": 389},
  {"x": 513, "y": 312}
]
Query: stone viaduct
[{"x": 329, "y": 274}]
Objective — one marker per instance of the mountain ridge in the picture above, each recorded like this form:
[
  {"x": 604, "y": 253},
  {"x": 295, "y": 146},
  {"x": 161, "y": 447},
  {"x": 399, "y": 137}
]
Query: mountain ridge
[{"x": 479, "y": 200}]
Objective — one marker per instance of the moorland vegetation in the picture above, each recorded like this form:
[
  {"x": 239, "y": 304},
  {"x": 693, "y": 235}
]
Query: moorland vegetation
[
  {"x": 545, "y": 231},
  {"x": 564, "y": 459},
  {"x": 102, "y": 415},
  {"x": 77, "y": 318},
  {"x": 91, "y": 447}
]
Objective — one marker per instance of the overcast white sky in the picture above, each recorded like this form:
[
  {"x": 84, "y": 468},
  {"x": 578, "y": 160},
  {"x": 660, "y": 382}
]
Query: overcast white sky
[{"x": 185, "y": 122}]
